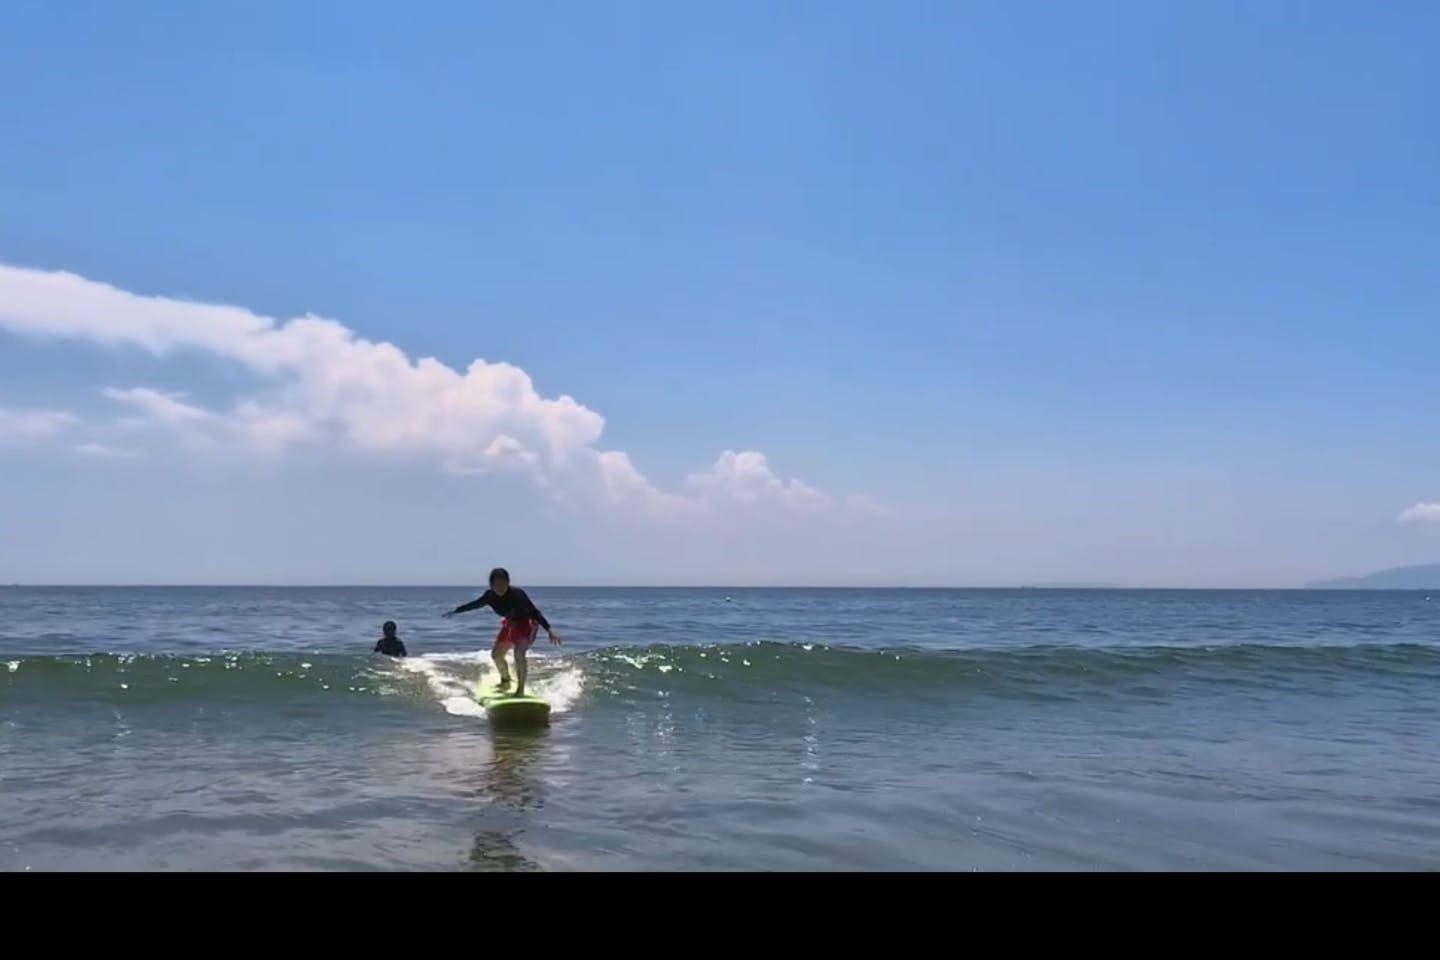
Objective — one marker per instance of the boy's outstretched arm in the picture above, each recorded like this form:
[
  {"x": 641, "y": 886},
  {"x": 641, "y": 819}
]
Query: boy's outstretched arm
[{"x": 472, "y": 605}]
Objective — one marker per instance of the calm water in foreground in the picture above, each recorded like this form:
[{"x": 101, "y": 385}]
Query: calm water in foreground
[{"x": 245, "y": 729}]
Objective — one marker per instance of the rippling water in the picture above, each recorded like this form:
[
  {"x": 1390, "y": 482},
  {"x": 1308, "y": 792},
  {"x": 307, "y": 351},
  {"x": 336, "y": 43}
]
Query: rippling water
[{"x": 706, "y": 729}]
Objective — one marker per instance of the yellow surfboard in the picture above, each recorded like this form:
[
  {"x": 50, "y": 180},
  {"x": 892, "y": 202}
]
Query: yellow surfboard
[{"x": 506, "y": 709}]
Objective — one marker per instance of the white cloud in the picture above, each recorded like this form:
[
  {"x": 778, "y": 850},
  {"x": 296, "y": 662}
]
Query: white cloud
[
  {"x": 746, "y": 477},
  {"x": 164, "y": 408},
  {"x": 329, "y": 386},
  {"x": 105, "y": 451},
  {"x": 26, "y": 425},
  {"x": 1421, "y": 513}
]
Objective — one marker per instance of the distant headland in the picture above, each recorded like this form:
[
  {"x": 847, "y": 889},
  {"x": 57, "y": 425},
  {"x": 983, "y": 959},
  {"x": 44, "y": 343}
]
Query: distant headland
[{"x": 1423, "y": 577}]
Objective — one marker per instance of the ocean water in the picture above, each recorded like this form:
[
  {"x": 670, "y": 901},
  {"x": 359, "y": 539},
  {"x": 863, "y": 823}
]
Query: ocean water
[{"x": 250, "y": 729}]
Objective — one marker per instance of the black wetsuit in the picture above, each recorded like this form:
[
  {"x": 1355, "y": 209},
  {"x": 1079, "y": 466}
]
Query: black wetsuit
[
  {"x": 514, "y": 605},
  {"x": 391, "y": 647}
]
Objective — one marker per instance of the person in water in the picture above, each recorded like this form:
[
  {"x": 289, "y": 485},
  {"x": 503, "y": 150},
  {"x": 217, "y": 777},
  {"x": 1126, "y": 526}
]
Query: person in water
[
  {"x": 390, "y": 644},
  {"x": 521, "y": 621}
]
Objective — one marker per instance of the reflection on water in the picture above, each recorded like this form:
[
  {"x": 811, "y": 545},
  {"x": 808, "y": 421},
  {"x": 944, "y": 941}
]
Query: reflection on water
[
  {"x": 498, "y": 850},
  {"x": 511, "y": 778},
  {"x": 511, "y": 793}
]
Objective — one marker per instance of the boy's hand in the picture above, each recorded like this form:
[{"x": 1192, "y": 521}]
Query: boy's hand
[
  {"x": 554, "y": 637},
  {"x": 448, "y": 614}
]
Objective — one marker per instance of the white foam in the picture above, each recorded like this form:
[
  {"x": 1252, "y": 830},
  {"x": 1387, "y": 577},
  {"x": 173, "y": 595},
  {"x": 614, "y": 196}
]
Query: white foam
[
  {"x": 474, "y": 658},
  {"x": 13, "y": 665},
  {"x": 448, "y": 685},
  {"x": 462, "y": 707},
  {"x": 452, "y": 678},
  {"x": 560, "y": 689}
]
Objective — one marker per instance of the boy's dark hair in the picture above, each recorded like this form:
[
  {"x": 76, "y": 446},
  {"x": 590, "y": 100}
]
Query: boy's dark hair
[
  {"x": 388, "y": 626},
  {"x": 499, "y": 573}
]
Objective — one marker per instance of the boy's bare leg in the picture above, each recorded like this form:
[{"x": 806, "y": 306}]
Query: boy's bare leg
[{"x": 497, "y": 654}]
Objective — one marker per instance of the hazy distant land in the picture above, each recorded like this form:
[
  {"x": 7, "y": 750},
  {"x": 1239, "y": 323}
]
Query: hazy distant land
[{"x": 1423, "y": 577}]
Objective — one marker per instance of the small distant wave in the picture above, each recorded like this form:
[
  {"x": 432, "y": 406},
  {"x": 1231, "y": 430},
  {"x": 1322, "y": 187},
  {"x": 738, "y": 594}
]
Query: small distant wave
[
  {"x": 234, "y": 678},
  {"x": 137, "y": 678},
  {"x": 1038, "y": 671},
  {"x": 704, "y": 672}
]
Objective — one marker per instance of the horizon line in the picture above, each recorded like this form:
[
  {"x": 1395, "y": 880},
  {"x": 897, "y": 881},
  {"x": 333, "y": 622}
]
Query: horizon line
[{"x": 1309, "y": 588}]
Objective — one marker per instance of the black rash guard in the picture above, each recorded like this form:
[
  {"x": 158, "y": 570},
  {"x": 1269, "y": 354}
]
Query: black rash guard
[
  {"x": 391, "y": 647},
  {"x": 514, "y": 605}
]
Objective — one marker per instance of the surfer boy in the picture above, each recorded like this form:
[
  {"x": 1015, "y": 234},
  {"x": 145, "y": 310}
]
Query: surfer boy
[
  {"x": 390, "y": 644},
  {"x": 522, "y": 620}
]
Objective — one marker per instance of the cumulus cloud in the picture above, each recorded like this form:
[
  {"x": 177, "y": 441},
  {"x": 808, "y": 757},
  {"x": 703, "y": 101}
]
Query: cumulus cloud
[
  {"x": 325, "y": 384},
  {"x": 23, "y": 425},
  {"x": 747, "y": 478},
  {"x": 1422, "y": 513},
  {"x": 163, "y": 408},
  {"x": 105, "y": 451}
]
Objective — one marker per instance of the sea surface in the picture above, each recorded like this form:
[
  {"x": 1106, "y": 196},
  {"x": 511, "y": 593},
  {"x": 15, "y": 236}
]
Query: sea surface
[{"x": 251, "y": 729}]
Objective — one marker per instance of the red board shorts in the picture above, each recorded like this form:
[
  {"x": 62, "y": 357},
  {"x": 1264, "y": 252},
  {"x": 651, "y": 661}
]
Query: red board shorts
[{"x": 516, "y": 633}]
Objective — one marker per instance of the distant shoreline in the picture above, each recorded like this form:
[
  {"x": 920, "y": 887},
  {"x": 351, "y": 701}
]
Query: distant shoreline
[{"x": 1424, "y": 576}]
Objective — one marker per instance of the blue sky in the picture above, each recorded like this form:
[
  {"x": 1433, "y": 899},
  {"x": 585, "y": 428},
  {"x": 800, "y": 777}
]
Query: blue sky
[{"x": 976, "y": 293}]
